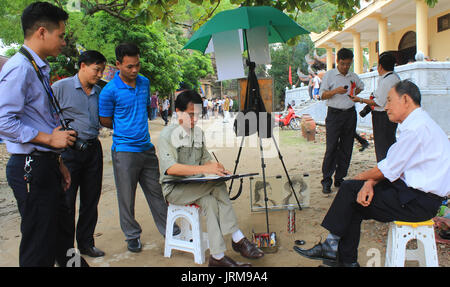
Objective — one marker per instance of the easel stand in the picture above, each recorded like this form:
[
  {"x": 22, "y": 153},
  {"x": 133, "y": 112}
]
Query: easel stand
[{"x": 254, "y": 103}]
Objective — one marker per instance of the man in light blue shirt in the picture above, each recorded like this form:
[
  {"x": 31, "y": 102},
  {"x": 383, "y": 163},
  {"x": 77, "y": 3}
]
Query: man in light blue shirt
[
  {"x": 30, "y": 125},
  {"x": 124, "y": 105}
]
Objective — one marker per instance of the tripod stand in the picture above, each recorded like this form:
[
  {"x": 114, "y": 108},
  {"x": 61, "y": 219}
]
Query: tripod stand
[{"x": 254, "y": 104}]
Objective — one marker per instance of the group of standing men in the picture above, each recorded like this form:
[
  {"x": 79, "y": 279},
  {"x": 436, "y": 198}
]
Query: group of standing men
[
  {"x": 340, "y": 88},
  {"x": 34, "y": 120}
]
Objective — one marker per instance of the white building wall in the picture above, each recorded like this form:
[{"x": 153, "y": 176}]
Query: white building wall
[{"x": 432, "y": 78}]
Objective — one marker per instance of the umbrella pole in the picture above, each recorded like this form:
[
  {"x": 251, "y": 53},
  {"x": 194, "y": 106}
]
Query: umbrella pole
[{"x": 246, "y": 44}]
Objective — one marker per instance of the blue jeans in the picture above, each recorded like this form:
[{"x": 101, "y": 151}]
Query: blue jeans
[{"x": 153, "y": 113}]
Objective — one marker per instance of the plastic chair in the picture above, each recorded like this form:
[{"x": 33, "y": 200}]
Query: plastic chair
[
  {"x": 191, "y": 239},
  {"x": 400, "y": 233}
]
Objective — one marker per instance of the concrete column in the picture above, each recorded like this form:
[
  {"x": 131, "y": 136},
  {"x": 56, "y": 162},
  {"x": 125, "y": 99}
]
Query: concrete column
[
  {"x": 372, "y": 54},
  {"x": 330, "y": 58},
  {"x": 382, "y": 35},
  {"x": 357, "y": 51},
  {"x": 422, "y": 26}
]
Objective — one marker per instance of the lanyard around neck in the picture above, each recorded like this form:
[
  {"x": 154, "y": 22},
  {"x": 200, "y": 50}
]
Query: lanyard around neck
[{"x": 45, "y": 82}]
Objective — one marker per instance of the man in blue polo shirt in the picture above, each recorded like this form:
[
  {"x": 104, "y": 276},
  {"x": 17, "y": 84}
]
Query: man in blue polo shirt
[{"x": 124, "y": 105}]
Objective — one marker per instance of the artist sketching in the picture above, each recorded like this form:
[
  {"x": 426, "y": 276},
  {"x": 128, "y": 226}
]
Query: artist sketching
[{"x": 182, "y": 152}]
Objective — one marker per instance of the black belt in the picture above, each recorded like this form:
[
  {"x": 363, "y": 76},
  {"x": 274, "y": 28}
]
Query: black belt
[
  {"x": 37, "y": 153},
  {"x": 340, "y": 110}
]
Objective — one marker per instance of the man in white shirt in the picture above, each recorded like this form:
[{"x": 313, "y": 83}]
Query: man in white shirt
[
  {"x": 383, "y": 129},
  {"x": 336, "y": 88},
  {"x": 408, "y": 185}
]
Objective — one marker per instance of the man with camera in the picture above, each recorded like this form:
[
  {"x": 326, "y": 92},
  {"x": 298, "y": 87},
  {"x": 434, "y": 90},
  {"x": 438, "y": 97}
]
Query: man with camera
[
  {"x": 124, "y": 105},
  {"x": 337, "y": 87},
  {"x": 78, "y": 99},
  {"x": 30, "y": 123},
  {"x": 383, "y": 129}
]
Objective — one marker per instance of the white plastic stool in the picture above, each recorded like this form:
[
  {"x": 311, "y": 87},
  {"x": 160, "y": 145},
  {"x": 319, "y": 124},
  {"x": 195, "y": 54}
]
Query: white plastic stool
[
  {"x": 402, "y": 232},
  {"x": 192, "y": 239}
]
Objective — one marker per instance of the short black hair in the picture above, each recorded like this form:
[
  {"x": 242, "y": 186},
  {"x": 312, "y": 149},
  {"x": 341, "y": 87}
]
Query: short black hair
[
  {"x": 409, "y": 88},
  {"x": 344, "y": 54},
  {"x": 41, "y": 14},
  {"x": 91, "y": 57},
  {"x": 387, "y": 61},
  {"x": 126, "y": 49},
  {"x": 186, "y": 97}
]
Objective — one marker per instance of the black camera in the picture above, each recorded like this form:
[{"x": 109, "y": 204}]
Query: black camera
[
  {"x": 79, "y": 145},
  {"x": 365, "y": 111}
]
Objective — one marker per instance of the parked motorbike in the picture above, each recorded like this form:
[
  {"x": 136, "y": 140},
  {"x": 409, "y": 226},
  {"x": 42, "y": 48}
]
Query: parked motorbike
[{"x": 290, "y": 119}]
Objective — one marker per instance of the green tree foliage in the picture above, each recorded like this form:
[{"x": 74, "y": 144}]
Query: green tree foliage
[
  {"x": 162, "y": 58},
  {"x": 284, "y": 56}
]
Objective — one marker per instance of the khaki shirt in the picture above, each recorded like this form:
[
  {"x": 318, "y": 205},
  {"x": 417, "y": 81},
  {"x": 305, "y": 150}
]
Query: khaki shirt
[{"x": 175, "y": 145}]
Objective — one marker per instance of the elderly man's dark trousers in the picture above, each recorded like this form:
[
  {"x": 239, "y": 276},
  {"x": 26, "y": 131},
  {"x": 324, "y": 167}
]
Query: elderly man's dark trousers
[
  {"x": 43, "y": 210},
  {"x": 391, "y": 201},
  {"x": 86, "y": 169},
  {"x": 340, "y": 129}
]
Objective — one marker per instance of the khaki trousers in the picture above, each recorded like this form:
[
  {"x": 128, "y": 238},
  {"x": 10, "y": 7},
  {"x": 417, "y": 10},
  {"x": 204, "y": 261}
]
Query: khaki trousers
[{"x": 213, "y": 198}]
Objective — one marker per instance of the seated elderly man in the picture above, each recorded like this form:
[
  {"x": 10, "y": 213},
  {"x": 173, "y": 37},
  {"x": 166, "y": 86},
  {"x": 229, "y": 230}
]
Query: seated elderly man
[
  {"x": 408, "y": 185},
  {"x": 182, "y": 152}
]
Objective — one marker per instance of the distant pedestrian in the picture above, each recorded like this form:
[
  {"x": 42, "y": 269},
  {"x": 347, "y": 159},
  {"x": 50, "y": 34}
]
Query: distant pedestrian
[
  {"x": 165, "y": 110},
  {"x": 153, "y": 106}
]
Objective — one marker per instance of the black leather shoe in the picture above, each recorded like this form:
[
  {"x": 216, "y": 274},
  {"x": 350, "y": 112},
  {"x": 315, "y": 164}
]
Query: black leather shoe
[
  {"x": 326, "y": 189},
  {"x": 319, "y": 252},
  {"x": 134, "y": 245},
  {"x": 364, "y": 146},
  {"x": 92, "y": 252}
]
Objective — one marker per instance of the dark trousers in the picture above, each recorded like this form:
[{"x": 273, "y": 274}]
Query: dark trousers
[
  {"x": 86, "y": 170},
  {"x": 340, "y": 129},
  {"x": 391, "y": 201},
  {"x": 383, "y": 133},
  {"x": 165, "y": 116},
  {"x": 43, "y": 210}
]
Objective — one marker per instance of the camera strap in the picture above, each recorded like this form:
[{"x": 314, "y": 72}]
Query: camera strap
[{"x": 45, "y": 82}]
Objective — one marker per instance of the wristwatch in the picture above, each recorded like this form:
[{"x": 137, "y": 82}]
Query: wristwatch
[{"x": 361, "y": 100}]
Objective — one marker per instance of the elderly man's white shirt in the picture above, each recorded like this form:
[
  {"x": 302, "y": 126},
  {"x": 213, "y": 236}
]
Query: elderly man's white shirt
[{"x": 421, "y": 155}]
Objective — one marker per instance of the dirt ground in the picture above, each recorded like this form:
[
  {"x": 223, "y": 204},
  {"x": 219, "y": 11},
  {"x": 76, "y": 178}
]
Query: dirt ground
[{"x": 299, "y": 155}]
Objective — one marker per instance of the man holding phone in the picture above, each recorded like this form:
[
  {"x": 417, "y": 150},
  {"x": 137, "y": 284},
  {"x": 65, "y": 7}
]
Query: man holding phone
[{"x": 338, "y": 85}]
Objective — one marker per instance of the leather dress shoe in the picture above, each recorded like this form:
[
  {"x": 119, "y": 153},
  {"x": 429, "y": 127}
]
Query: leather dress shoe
[
  {"x": 92, "y": 252},
  {"x": 226, "y": 262},
  {"x": 326, "y": 189},
  {"x": 364, "y": 146},
  {"x": 134, "y": 245},
  {"x": 320, "y": 251},
  {"x": 247, "y": 249}
]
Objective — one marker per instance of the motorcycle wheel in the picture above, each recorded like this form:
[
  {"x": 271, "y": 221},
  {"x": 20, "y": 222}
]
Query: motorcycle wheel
[{"x": 295, "y": 123}]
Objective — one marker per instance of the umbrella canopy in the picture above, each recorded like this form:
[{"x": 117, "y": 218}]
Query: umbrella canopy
[{"x": 280, "y": 27}]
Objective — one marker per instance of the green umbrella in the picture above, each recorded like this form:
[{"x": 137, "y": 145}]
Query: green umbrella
[{"x": 280, "y": 27}]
